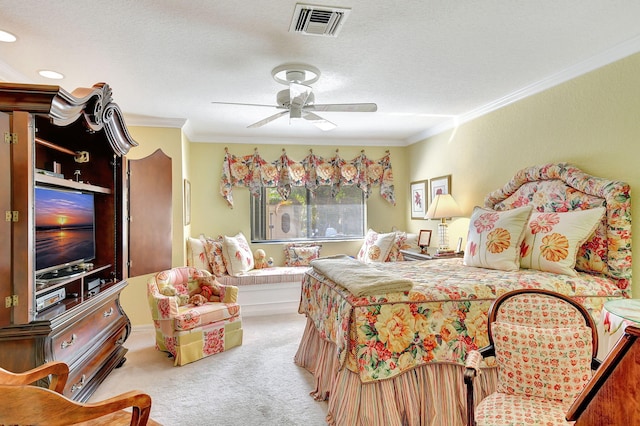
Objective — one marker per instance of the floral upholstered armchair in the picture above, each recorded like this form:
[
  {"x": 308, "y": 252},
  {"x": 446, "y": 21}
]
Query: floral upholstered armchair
[
  {"x": 191, "y": 331},
  {"x": 545, "y": 346}
]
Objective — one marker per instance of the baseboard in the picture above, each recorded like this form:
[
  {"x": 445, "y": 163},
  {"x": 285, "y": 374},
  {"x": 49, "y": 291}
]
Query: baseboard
[{"x": 269, "y": 299}]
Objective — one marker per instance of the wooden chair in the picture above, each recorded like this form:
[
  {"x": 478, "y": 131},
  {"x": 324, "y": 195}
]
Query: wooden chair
[
  {"x": 545, "y": 346},
  {"x": 24, "y": 403}
]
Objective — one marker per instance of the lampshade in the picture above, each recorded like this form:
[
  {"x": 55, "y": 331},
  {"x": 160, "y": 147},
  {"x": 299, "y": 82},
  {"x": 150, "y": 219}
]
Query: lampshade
[{"x": 443, "y": 206}]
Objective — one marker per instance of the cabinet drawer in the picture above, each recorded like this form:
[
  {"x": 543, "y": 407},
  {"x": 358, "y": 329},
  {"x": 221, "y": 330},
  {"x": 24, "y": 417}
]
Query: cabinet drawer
[
  {"x": 89, "y": 372},
  {"x": 88, "y": 331}
]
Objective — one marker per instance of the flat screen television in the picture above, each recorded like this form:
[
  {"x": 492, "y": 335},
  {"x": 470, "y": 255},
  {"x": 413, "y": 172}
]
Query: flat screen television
[{"x": 64, "y": 229}]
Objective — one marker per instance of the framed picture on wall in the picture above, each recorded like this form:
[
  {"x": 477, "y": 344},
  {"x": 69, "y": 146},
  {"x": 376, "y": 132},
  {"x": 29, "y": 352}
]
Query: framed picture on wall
[
  {"x": 419, "y": 199},
  {"x": 440, "y": 185}
]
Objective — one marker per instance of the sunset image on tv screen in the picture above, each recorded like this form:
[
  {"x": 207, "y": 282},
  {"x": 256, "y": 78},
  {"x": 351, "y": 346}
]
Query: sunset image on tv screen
[{"x": 64, "y": 227}]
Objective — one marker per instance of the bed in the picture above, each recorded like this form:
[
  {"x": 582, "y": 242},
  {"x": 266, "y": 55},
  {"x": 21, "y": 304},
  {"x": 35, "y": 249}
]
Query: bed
[{"x": 397, "y": 357}]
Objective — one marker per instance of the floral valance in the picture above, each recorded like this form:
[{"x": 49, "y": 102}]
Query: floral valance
[{"x": 253, "y": 172}]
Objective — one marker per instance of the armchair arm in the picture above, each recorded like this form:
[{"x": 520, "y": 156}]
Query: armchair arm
[
  {"x": 162, "y": 307},
  {"x": 229, "y": 294},
  {"x": 472, "y": 370},
  {"x": 55, "y": 409},
  {"x": 58, "y": 370}
]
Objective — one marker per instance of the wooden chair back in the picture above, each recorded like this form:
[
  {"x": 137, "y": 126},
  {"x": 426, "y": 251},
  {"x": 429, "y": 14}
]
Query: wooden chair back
[{"x": 24, "y": 403}]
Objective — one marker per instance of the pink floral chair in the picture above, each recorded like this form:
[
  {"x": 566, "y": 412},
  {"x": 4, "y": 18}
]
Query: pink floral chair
[
  {"x": 186, "y": 331},
  {"x": 545, "y": 346}
]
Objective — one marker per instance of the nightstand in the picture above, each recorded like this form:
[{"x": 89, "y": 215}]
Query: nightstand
[{"x": 411, "y": 255}]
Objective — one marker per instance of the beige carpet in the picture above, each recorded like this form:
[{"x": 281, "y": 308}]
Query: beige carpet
[{"x": 254, "y": 384}]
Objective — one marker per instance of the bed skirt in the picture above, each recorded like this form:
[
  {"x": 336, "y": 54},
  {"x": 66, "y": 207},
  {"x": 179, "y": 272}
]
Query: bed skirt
[{"x": 433, "y": 394}]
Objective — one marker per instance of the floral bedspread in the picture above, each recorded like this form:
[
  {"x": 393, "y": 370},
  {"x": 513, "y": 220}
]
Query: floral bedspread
[{"x": 442, "y": 318}]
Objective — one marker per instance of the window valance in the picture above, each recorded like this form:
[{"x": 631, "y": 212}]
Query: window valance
[{"x": 253, "y": 172}]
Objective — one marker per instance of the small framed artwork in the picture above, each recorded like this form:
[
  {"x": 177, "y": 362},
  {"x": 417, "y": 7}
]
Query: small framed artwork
[
  {"x": 187, "y": 202},
  {"x": 419, "y": 199},
  {"x": 424, "y": 238},
  {"x": 440, "y": 185}
]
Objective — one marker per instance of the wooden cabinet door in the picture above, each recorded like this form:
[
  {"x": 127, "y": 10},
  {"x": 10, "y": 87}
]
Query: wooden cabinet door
[
  {"x": 5, "y": 228},
  {"x": 22, "y": 199},
  {"x": 150, "y": 212}
]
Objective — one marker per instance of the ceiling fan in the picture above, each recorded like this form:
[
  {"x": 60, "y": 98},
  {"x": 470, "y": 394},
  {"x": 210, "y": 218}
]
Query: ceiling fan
[{"x": 298, "y": 100}]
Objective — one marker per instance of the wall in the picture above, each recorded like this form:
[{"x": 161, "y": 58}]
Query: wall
[{"x": 591, "y": 121}]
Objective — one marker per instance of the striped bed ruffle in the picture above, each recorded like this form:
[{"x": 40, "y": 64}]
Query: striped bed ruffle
[{"x": 432, "y": 394}]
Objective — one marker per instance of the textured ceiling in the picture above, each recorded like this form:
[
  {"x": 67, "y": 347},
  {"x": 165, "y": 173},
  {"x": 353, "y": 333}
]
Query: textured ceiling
[{"x": 427, "y": 64}]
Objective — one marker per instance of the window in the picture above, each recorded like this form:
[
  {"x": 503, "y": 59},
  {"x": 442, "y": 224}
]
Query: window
[{"x": 307, "y": 217}]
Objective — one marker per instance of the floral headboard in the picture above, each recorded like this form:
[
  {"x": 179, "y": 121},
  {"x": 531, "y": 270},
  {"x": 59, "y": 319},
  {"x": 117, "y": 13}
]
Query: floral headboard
[{"x": 562, "y": 187}]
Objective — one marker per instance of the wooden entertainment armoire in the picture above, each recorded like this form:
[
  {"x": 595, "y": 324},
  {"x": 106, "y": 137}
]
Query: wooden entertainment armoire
[{"x": 71, "y": 142}]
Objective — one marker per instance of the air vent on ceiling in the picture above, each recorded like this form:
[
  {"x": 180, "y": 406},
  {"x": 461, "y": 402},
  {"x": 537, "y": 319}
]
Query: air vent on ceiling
[{"x": 318, "y": 20}]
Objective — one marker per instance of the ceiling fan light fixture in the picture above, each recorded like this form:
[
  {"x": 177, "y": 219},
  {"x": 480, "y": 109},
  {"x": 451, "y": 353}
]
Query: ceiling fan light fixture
[{"x": 295, "y": 73}]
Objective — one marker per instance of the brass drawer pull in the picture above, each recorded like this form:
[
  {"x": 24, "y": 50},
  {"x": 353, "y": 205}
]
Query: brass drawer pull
[
  {"x": 65, "y": 344},
  {"x": 79, "y": 385},
  {"x": 108, "y": 313}
]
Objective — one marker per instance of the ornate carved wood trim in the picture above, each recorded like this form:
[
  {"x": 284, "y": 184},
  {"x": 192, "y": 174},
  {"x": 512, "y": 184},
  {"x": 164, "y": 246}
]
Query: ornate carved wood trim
[{"x": 94, "y": 104}]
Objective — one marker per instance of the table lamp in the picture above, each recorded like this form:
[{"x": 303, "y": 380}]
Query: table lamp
[{"x": 442, "y": 207}]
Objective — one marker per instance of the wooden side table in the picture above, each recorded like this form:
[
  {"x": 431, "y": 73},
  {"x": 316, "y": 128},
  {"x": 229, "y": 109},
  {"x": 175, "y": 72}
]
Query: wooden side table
[{"x": 616, "y": 316}]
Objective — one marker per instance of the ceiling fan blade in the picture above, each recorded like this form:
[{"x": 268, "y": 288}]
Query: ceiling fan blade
[
  {"x": 318, "y": 121},
  {"x": 241, "y": 104},
  {"x": 368, "y": 107},
  {"x": 267, "y": 120}
]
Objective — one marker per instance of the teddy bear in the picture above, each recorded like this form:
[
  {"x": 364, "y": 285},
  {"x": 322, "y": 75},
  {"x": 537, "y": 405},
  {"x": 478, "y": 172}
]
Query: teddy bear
[
  {"x": 208, "y": 290},
  {"x": 197, "y": 299},
  {"x": 171, "y": 291},
  {"x": 260, "y": 259}
]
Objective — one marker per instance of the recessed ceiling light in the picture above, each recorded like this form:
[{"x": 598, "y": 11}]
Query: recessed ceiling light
[
  {"x": 7, "y": 37},
  {"x": 51, "y": 74}
]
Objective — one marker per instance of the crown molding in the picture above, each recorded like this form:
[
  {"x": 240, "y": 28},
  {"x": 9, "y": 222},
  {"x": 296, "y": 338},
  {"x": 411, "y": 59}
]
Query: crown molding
[{"x": 146, "y": 121}]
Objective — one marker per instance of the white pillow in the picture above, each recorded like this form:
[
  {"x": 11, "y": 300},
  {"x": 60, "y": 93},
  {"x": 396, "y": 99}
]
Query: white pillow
[
  {"x": 237, "y": 255},
  {"x": 196, "y": 255},
  {"x": 494, "y": 238},
  {"x": 552, "y": 239},
  {"x": 376, "y": 246}
]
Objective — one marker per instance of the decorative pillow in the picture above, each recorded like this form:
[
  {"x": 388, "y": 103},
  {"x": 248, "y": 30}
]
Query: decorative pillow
[
  {"x": 399, "y": 243},
  {"x": 552, "y": 239},
  {"x": 376, "y": 246},
  {"x": 213, "y": 250},
  {"x": 550, "y": 363},
  {"x": 237, "y": 255},
  {"x": 494, "y": 238},
  {"x": 196, "y": 255},
  {"x": 300, "y": 254}
]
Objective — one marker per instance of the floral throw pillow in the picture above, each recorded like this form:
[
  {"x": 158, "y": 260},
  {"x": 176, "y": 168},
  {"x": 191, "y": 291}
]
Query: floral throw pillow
[
  {"x": 376, "y": 247},
  {"x": 494, "y": 238},
  {"x": 215, "y": 258},
  {"x": 399, "y": 243},
  {"x": 196, "y": 254},
  {"x": 550, "y": 363},
  {"x": 552, "y": 239},
  {"x": 301, "y": 254},
  {"x": 237, "y": 255}
]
